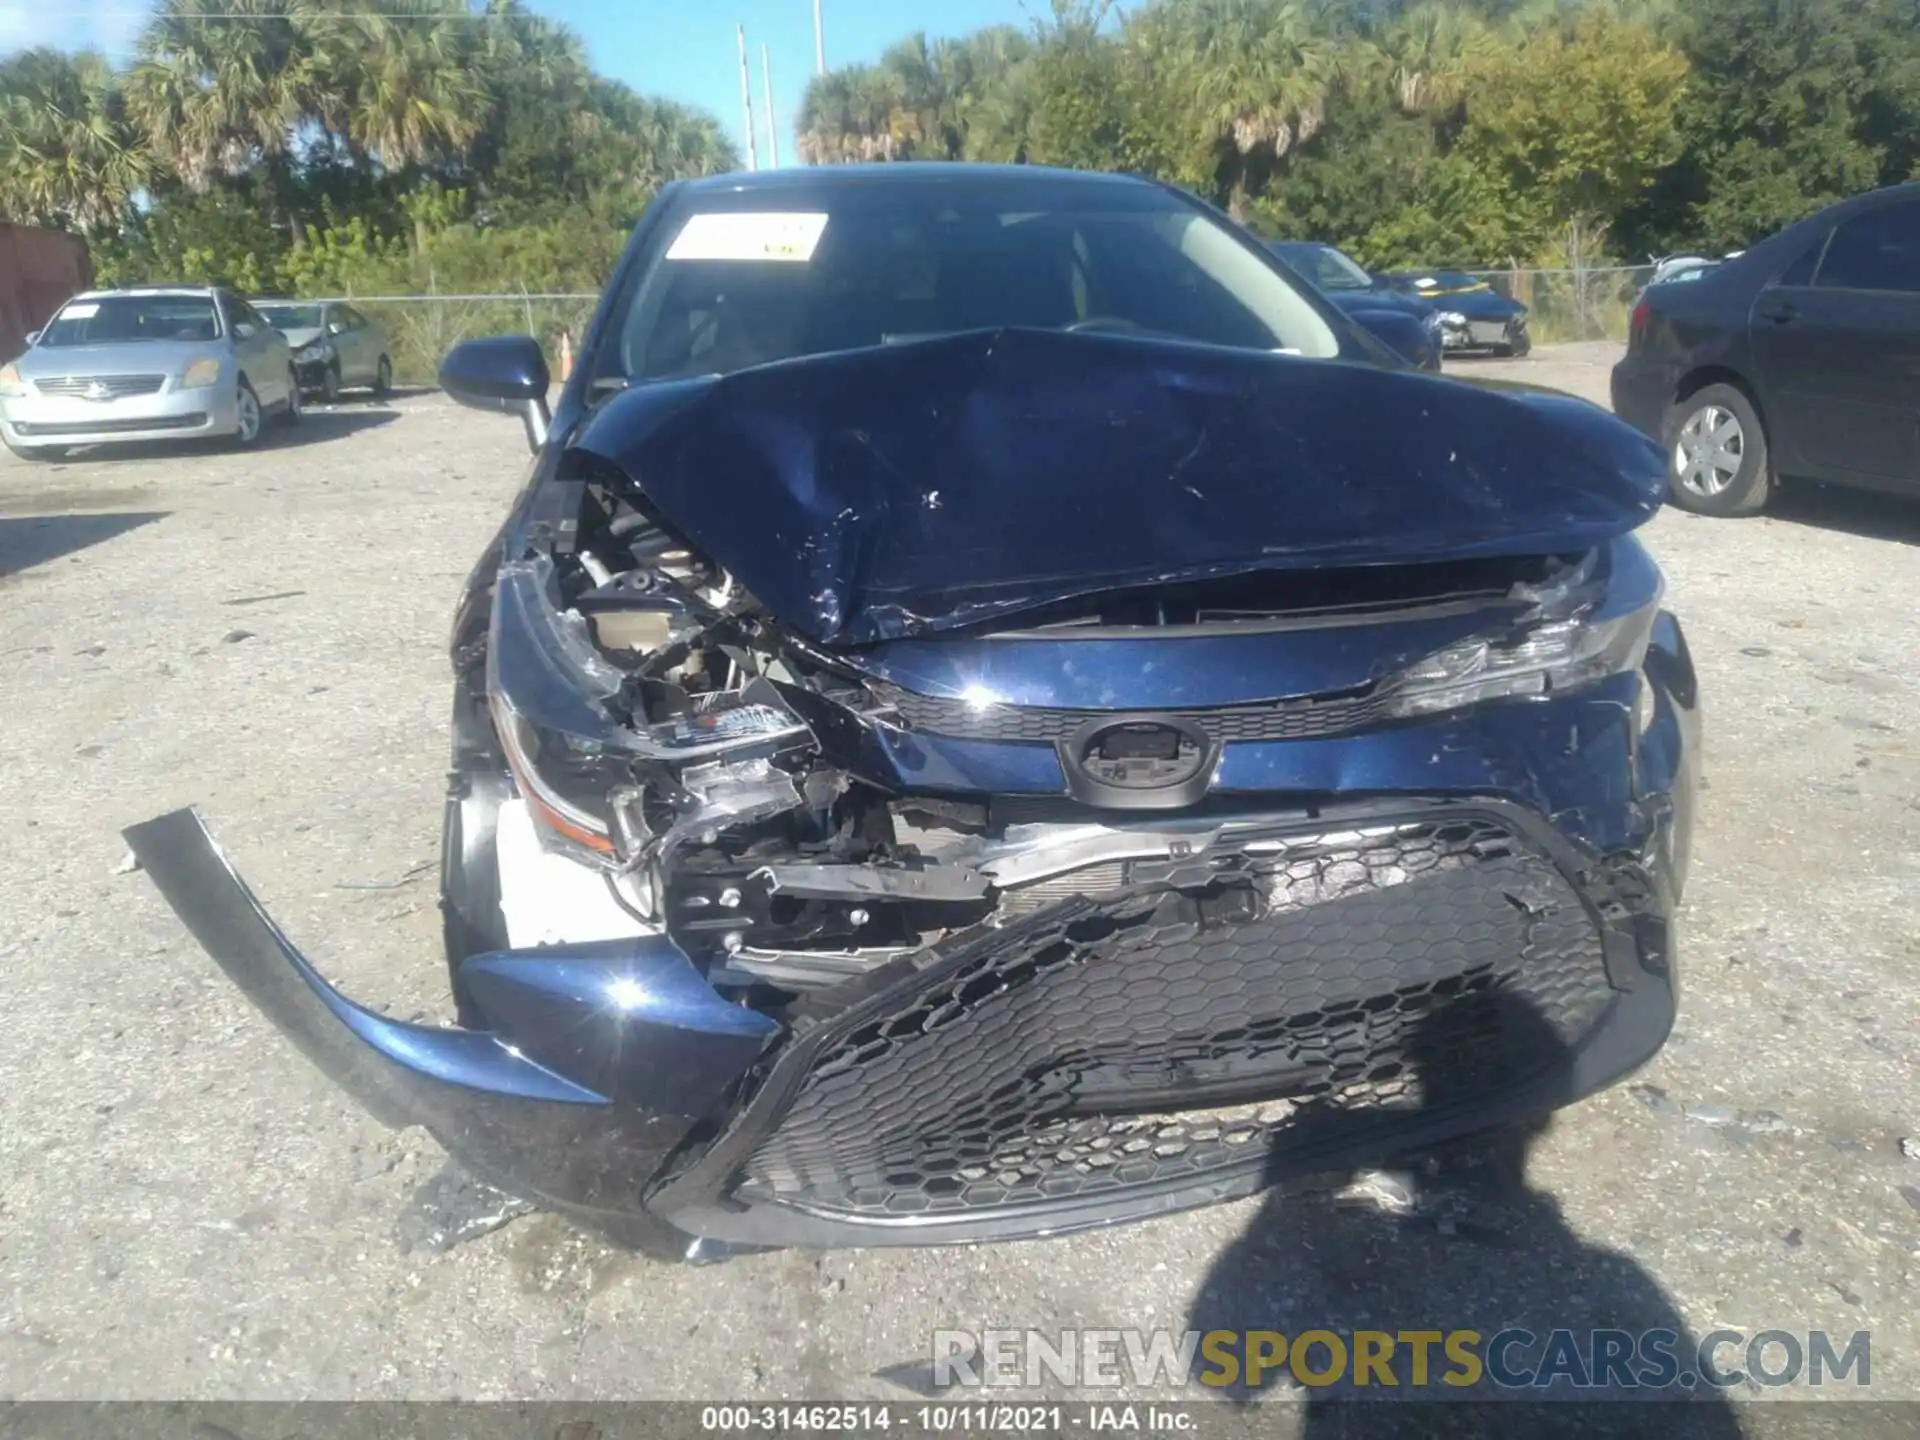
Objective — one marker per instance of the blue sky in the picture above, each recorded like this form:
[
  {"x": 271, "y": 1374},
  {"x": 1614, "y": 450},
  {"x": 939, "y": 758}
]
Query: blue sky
[{"x": 685, "y": 49}]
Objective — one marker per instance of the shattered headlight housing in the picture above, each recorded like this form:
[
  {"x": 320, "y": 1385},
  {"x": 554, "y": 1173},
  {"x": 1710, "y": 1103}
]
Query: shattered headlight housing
[
  {"x": 585, "y": 776},
  {"x": 1579, "y": 629},
  {"x": 315, "y": 351}
]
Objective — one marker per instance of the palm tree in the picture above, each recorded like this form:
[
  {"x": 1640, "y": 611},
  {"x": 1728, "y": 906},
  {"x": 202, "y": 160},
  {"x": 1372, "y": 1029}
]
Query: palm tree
[
  {"x": 849, "y": 115},
  {"x": 1427, "y": 53},
  {"x": 994, "y": 95},
  {"x": 411, "y": 94},
  {"x": 1259, "y": 73},
  {"x": 677, "y": 142},
  {"x": 221, "y": 93},
  {"x": 538, "y": 52},
  {"x": 68, "y": 154}
]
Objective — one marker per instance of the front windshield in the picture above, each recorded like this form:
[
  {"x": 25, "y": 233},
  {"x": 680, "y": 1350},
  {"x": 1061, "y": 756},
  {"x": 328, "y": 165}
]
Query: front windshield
[
  {"x": 729, "y": 288},
  {"x": 291, "y": 317},
  {"x": 122, "y": 319},
  {"x": 1326, "y": 267}
]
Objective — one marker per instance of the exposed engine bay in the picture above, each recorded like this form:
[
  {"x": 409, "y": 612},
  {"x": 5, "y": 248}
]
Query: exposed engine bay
[{"x": 731, "y": 802}]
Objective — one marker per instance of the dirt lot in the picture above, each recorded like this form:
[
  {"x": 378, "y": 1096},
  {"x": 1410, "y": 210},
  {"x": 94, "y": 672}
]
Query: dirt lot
[{"x": 188, "y": 1210}]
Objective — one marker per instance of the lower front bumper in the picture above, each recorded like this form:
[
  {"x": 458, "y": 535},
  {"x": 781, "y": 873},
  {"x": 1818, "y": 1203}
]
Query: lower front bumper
[
  {"x": 1482, "y": 334},
  {"x": 171, "y": 415},
  {"x": 614, "y": 1085}
]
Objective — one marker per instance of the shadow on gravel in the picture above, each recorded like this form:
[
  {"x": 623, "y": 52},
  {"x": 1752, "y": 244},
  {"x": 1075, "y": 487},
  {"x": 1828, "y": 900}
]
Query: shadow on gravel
[
  {"x": 1857, "y": 512},
  {"x": 320, "y": 426},
  {"x": 360, "y": 399},
  {"x": 1458, "y": 1242},
  {"x": 29, "y": 540}
]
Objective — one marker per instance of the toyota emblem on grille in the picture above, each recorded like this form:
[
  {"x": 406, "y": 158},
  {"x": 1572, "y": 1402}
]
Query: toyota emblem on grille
[
  {"x": 1144, "y": 762},
  {"x": 97, "y": 390}
]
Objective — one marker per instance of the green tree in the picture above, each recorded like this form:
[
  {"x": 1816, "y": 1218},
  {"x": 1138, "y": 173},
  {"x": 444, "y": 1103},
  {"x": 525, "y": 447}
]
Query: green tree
[
  {"x": 1794, "y": 104},
  {"x": 1257, "y": 76},
  {"x": 68, "y": 154},
  {"x": 1570, "y": 129},
  {"x": 408, "y": 88},
  {"x": 1085, "y": 104}
]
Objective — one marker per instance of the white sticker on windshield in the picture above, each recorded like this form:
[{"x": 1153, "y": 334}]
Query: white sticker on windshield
[
  {"x": 80, "y": 310},
  {"x": 788, "y": 235}
]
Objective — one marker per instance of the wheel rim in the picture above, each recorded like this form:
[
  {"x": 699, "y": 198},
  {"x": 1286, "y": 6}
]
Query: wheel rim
[
  {"x": 331, "y": 385},
  {"x": 385, "y": 377},
  {"x": 1710, "y": 449},
  {"x": 249, "y": 416}
]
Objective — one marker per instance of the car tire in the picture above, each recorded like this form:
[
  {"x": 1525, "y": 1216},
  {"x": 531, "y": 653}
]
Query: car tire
[
  {"x": 330, "y": 384},
  {"x": 1713, "y": 469},
  {"x": 383, "y": 378},
  {"x": 246, "y": 433},
  {"x": 291, "y": 415},
  {"x": 36, "y": 454}
]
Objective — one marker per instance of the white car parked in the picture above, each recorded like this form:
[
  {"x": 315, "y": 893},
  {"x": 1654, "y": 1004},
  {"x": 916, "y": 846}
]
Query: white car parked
[{"x": 146, "y": 363}]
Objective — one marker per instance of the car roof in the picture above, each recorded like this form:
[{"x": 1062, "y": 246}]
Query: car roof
[
  {"x": 202, "y": 291},
  {"x": 1787, "y": 241},
  {"x": 827, "y": 179}
]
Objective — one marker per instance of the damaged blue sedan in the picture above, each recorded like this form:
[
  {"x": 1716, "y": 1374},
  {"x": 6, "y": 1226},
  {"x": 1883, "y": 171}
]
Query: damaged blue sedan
[{"x": 998, "y": 711}]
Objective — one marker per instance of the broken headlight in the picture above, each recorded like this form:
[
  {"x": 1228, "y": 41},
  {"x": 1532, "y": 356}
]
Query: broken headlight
[
  {"x": 1583, "y": 627},
  {"x": 585, "y": 776}
]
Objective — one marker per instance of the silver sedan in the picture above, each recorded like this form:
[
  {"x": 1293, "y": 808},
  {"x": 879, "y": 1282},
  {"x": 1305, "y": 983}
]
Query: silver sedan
[{"x": 147, "y": 364}]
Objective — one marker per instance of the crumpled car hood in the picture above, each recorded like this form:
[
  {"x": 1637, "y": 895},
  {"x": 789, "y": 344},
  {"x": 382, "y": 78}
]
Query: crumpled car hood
[{"x": 875, "y": 494}]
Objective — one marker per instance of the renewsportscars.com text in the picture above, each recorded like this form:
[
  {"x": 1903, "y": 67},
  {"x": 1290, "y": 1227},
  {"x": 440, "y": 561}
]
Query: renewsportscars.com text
[{"x": 1514, "y": 1359}]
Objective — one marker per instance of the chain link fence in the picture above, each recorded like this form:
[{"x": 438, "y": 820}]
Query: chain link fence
[
  {"x": 1589, "y": 304},
  {"x": 420, "y": 329}
]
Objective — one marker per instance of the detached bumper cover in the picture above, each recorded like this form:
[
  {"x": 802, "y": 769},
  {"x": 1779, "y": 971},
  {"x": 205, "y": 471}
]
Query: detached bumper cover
[
  {"x": 625, "y": 1018},
  {"x": 1418, "y": 972}
]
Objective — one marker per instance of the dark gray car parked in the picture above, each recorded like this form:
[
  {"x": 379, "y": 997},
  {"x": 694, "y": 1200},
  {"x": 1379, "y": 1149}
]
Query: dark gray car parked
[{"x": 1797, "y": 357}]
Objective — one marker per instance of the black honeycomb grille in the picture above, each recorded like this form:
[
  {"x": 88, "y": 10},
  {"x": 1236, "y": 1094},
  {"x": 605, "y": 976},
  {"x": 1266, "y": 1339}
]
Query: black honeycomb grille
[
  {"x": 1174, "y": 1032},
  {"x": 1279, "y": 720}
]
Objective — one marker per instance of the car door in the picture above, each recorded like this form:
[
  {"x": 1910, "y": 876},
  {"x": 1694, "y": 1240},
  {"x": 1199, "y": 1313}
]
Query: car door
[
  {"x": 340, "y": 336},
  {"x": 1837, "y": 344},
  {"x": 356, "y": 363},
  {"x": 253, "y": 348}
]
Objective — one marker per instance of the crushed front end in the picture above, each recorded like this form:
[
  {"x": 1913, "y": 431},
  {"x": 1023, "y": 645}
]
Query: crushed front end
[{"x": 801, "y": 890}]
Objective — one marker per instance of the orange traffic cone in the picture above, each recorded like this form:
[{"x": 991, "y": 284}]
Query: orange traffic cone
[{"x": 566, "y": 354}]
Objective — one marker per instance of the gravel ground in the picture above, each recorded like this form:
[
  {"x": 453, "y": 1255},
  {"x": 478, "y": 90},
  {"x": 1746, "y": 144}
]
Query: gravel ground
[{"x": 188, "y": 1210}]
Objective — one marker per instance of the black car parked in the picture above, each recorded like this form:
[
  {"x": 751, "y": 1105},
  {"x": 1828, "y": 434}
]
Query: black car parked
[
  {"x": 1411, "y": 327},
  {"x": 1798, "y": 357},
  {"x": 1473, "y": 315}
]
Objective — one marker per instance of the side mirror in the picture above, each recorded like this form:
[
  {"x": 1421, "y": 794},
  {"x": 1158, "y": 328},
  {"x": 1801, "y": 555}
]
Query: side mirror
[
  {"x": 32, "y": 336},
  {"x": 502, "y": 372},
  {"x": 336, "y": 327}
]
